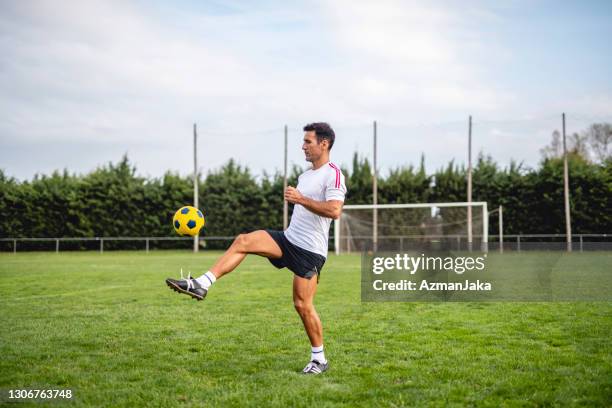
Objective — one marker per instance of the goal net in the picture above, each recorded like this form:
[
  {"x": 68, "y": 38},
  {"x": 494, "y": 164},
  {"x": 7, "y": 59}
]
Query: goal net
[{"x": 398, "y": 227}]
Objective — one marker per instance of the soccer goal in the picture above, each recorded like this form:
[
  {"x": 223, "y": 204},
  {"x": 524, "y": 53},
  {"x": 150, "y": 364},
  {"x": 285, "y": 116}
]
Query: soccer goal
[{"x": 398, "y": 227}]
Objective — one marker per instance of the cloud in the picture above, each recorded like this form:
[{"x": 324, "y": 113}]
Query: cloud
[
  {"x": 393, "y": 31},
  {"x": 418, "y": 54},
  {"x": 93, "y": 79}
]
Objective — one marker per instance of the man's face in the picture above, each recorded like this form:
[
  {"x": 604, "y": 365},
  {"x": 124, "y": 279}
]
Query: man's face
[{"x": 311, "y": 146}]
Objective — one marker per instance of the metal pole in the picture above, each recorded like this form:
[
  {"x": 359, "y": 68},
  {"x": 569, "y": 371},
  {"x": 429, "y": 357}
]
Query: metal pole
[
  {"x": 375, "y": 198},
  {"x": 101, "y": 245},
  {"x": 195, "y": 182},
  {"x": 518, "y": 243},
  {"x": 501, "y": 229},
  {"x": 469, "y": 186},
  {"x": 56, "y": 245},
  {"x": 147, "y": 244},
  {"x": 337, "y": 236},
  {"x": 15, "y": 246},
  {"x": 581, "y": 247},
  {"x": 285, "y": 203},
  {"x": 485, "y": 228},
  {"x": 568, "y": 226}
]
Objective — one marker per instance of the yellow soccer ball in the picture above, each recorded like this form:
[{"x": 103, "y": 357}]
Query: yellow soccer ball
[{"x": 188, "y": 220}]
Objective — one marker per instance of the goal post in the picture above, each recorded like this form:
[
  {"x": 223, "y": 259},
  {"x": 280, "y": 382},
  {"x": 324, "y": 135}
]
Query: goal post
[{"x": 399, "y": 225}]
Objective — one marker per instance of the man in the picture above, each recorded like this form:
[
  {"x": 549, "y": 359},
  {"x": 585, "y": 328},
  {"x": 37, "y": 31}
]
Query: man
[{"x": 302, "y": 248}]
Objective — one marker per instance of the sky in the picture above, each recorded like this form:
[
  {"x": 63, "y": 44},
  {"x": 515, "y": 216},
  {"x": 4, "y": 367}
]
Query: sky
[{"x": 84, "y": 82}]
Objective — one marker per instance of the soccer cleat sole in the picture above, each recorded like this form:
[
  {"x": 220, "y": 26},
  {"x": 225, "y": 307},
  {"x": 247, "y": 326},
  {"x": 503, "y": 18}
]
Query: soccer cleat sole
[
  {"x": 319, "y": 371},
  {"x": 186, "y": 292}
]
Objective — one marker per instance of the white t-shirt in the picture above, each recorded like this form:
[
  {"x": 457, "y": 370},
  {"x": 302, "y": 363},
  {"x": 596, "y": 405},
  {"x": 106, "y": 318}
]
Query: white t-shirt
[{"x": 308, "y": 230}]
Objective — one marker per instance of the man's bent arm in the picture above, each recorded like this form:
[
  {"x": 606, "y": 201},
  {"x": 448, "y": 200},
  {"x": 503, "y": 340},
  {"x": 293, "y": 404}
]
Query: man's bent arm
[{"x": 329, "y": 209}]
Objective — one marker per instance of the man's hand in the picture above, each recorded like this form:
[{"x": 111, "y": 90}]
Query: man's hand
[{"x": 293, "y": 195}]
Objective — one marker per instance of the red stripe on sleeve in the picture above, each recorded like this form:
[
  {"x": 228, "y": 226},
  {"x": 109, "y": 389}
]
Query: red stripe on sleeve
[{"x": 337, "y": 183}]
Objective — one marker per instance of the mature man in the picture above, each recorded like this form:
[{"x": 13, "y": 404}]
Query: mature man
[{"x": 302, "y": 248}]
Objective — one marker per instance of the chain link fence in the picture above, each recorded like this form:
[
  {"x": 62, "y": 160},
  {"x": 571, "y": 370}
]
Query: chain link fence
[
  {"x": 521, "y": 242},
  {"x": 102, "y": 244}
]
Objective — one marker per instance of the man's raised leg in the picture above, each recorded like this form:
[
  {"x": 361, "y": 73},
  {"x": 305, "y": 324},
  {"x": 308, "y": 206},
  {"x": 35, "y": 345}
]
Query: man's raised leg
[{"x": 257, "y": 242}]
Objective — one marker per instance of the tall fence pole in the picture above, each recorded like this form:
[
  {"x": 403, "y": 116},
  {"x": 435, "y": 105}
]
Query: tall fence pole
[
  {"x": 375, "y": 197},
  {"x": 196, "y": 179},
  {"x": 501, "y": 229},
  {"x": 469, "y": 186},
  {"x": 568, "y": 224},
  {"x": 15, "y": 246},
  {"x": 285, "y": 203}
]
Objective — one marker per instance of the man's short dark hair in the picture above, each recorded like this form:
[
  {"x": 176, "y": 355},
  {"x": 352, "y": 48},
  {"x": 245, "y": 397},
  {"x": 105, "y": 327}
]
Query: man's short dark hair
[{"x": 323, "y": 131}]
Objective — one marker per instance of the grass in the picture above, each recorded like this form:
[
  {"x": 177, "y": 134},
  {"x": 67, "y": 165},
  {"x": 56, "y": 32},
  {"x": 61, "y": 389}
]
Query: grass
[{"x": 106, "y": 326}]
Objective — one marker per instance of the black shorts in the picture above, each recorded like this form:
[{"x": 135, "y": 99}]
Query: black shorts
[{"x": 301, "y": 262}]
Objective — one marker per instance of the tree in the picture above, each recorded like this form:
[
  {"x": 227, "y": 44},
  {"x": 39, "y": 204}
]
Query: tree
[
  {"x": 359, "y": 183},
  {"x": 576, "y": 145},
  {"x": 113, "y": 201},
  {"x": 555, "y": 149},
  {"x": 599, "y": 136}
]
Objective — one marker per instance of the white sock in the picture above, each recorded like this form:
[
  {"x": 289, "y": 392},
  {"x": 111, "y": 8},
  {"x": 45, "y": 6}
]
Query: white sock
[
  {"x": 206, "y": 280},
  {"x": 318, "y": 354}
]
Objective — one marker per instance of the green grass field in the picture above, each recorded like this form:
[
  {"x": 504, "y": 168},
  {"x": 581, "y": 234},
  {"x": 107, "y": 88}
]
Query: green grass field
[{"x": 107, "y": 327}]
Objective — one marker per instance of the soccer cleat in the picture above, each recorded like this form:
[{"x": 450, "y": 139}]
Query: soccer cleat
[
  {"x": 188, "y": 286},
  {"x": 314, "y": 367}
]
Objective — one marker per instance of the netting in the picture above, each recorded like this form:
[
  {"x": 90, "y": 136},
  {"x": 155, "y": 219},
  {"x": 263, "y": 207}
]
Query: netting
[{"x": 398, "y": 229}]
